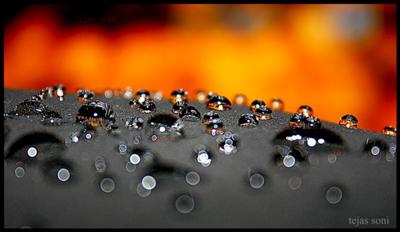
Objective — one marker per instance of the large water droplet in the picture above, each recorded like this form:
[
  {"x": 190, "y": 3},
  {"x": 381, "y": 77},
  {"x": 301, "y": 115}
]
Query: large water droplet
[{"x": 30, "y": 107}]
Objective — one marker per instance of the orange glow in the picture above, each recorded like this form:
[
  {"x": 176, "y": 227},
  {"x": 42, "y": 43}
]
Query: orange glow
[{"x": 301, "y": 59}]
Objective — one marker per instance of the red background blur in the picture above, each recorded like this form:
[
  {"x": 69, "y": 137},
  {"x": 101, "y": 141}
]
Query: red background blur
[{"x": 339, "y": 59}]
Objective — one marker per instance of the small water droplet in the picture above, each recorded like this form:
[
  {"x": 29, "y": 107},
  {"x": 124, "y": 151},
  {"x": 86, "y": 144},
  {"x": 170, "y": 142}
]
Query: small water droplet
[
  {"x": 122, "y": 148},
  {"x": 256, "y": 180},
  {"x": 190, "y": 113},
  {"x": 202, "y": 155},
  {"x": 311, "y": 142},
  {"x": 108, "y": 93},
  {"x": 130, "y": 167},
  {"x": 134, "y": 159},
  {"x": 178, "y": 95},
  {"x": 184, "y": 204},
  {"x": 192, "y": 178},
  {"x": 19, "y": 172},
  {"x": 349, "y": 121},
  {"x": 302, "y": 121},
  {"x": 248, "y": 120},
  {"x": 375, "y": 147},
  {"x": 84, "y": 95},
  {"x": 263, "y": 113},
  {"x": 179, "y": 106},
  {"x": 305, "y": 110},
  {"x": 294, "y": 182},
  {"x": 390, "y": 130},
  {"x": 334, "y": 195},
  {"x": 63, "y": 174},
  {"x": 228, "y": 142},
  {"x": 209, "y": 117},
  {"x": 215, "y": 127},
  {"x": 332, "y": 158},
  {"x": 219, "y": 103},
  {"x": 95, "y": 113},
  {"x": 128, "y": 93},
  {"x": 157, "y": 95},
  {"x": 147, "y": 106},
  {"x": 134, "y": 123},
  {"x": 32, "y": 152},
  {"x": 277, "y": 104},
  {"x": 100, "y": 164},
  {"x": 201, "y": 96},
  {"x": 107, "y": 185},
  {"x": 256, "y": 104},
  {"x": 142, "y": 96},
  {"x": 149, "y": 182},
  {"x": 240, "y": 99},
  {"x": 59, "y": 92},
  {"x": 133, "y": 103},
  {"x": 171, "y": 124},
  {"x": 289, "y": 161},
  {"x": 141, "y": 191}
]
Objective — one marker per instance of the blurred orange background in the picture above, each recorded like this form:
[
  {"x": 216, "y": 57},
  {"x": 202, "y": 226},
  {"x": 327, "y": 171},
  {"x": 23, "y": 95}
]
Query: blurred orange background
[{"x": 339, "y": 59}]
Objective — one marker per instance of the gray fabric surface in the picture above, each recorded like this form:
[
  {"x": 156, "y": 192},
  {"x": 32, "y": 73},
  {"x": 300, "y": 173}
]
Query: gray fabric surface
[{"x": 223, "y": 198}]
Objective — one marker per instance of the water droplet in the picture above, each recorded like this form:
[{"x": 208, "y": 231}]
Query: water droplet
[
  {"x": 294, "y": 182},
  {"x": 142, "y": 95},
  {"x": 375, "y": 150},
  {"x": 63, "y": 174},
  {"x": 100, "y": 164},
  {"x": 215, "y": 127},
  {"x": 302, "y": 121},
  {"x": 141, "y": 191},
  {"x": 134, "y": 159},
  {"x": 209, "y": 117},
  {"x": 133, "y": 103},
  {"x": 349, "y": 121},
  {"x": 332, "y": 158},
  {"x": 240, "y": 99},
  {"x": 128, "y": 93},
  {"x": 108, "y": 93},
  {"x": 179, "y": 106},
  {"x": 202, "y": 155},
  {"x": 107, "y": 185},
  {"x": 84, "y": 95},
  {"x": 390, "y": 130},
  {"x": 59, "y": 92},
  {"x": 19, "y": 172},
  {"x": 248, "y": 120},
  {"x": 334, "y": 195},
  {"x": 201, "y": 96},
  {"x": 184, "y": 204},
  {"x": 263, "y": 113},
  {"x": 256, "y": 180},
  {"x": 219, "y": 103},
  {"x": 122, "y": 148},
  {"x": 190, "y": 113},
  {"x": 147, "y": 106},
  {"x": 305, "y": 110},
  {"x": 95, "y": 113},
  {"x": 130, "y": 167},
  {"x": 277, "y": 104},
  {"x": 134, "y": 123},
  {"x": 228, "y": 142},
  {"x": 178, "y": 95},
  {"x": 192, "y": 178},
  {"x": 149, "y": 183},
  {"x": 256, "y": 104},
  {"x": 32, "y": 152},
  {"x": 375, "y": 147}
]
